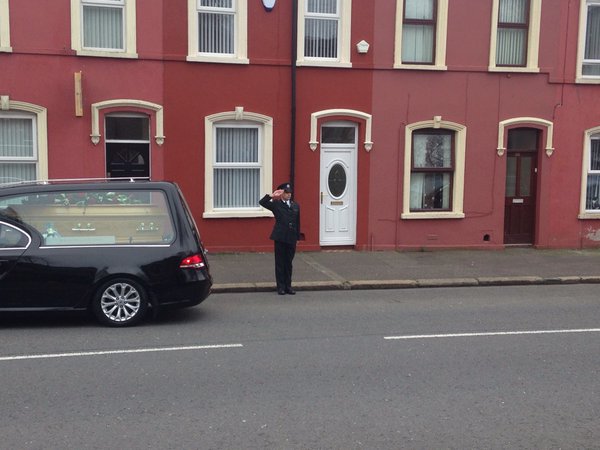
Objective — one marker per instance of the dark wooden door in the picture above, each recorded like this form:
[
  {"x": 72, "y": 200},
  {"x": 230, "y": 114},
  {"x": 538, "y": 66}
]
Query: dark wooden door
[{"x": 520, "y": 198}]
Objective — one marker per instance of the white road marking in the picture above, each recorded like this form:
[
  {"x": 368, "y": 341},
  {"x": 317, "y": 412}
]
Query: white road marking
[
  {"x": 492, "y": 333},
  {"x": 118, "y": 352}
]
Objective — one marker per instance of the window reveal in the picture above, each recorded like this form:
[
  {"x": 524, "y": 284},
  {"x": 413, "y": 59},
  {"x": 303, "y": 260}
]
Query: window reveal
[{"x": 432, "y": 170}]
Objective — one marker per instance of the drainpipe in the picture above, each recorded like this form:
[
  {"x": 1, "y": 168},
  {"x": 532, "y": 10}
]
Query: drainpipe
[{"x": 293, "y": 94}]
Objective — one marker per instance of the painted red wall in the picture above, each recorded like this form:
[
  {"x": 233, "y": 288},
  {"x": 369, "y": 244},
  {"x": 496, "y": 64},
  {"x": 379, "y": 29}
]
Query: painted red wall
[{"x": 40, "y": 71}]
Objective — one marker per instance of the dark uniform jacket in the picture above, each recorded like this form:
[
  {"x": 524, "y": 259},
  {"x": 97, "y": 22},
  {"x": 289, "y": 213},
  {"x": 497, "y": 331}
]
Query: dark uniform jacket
[{"x": 287, "y": 219}]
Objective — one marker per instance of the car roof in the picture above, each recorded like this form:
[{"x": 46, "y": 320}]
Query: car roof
[{"x": 79, "y": 184}]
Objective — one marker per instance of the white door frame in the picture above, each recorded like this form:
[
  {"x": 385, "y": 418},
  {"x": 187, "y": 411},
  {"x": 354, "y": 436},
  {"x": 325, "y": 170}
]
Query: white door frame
[{"x": 338, "y": 210}]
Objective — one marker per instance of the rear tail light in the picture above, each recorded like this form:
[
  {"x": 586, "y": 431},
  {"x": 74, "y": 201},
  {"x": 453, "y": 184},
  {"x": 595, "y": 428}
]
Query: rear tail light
[{"x": 192, "y": 262}]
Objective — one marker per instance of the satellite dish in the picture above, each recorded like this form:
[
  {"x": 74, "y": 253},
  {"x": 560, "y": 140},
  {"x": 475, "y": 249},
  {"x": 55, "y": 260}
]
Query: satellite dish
[{"x": 269, "y": 4}]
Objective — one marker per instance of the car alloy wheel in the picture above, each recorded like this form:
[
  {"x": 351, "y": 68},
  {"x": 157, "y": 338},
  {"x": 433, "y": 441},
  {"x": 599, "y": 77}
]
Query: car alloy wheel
[{"x": 120, "y": 302}]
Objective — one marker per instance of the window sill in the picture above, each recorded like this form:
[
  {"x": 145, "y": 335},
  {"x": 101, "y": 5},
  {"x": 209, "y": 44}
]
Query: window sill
[
  {"x": 236, "y": 213},
  {"x": 514, "y": 69},
  {"x": 6, "y": 49},
  {"x": 323, "y": 63},
  {"x": 102, "y": 54},
  {"x": 217, "y": 59},
  {"x": 420, "y": 67},
  {"x": 433, "y": 215},
  {"x": 587, "y": 80},
  {"x": 589, "y": 215}
]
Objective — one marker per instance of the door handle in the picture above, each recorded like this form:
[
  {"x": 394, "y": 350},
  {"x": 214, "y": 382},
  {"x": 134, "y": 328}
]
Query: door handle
[{"x": 321, "y": 198}]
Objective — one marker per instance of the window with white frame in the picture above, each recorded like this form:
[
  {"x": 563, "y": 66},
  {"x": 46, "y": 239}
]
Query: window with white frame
[
  {"x": 421, "y": 27},
  {"x": 18, "y": 147},
  {"x": 4, "y": 27},
  {"x": 217, "y": 30},
  {"x": 238, "y": 164},
  {"x": 590, "y": 201},
  {"x": 324, "y": 32},
  {"x": 515, "y": 35},
  {"x": 588, "y": 66},
  {"x": 104, "y": 27},
  {"x": 434, "y": 170}
]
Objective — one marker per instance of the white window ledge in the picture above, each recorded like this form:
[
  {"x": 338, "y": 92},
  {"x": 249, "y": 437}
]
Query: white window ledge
[
  {"x": 104, "y": 54},
  {"x": 589, "y": 215},
  {"x": 217, "y": 59},
  {"x": 323, "y": 63},
  {"x": 587, "y": 80},
  {"x": 433, "y": 215},
  {"x": 514, "y": 69},
  {"x": 420, "y": 67},
  {"x": 236, "y": 213}
]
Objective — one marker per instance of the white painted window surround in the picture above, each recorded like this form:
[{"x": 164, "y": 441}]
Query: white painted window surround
[
  {"x": 235, "y": 50},
  {"x": 533, "y": 39},
  {"x": 343, "y": 16},
  {"x": 259, "y": 129},
  {"x": 39, "y": 117},
  {"x": 458, "y": 176},
  {"x": 4, "y": 27},
  {"x": 129, "y": 45}
]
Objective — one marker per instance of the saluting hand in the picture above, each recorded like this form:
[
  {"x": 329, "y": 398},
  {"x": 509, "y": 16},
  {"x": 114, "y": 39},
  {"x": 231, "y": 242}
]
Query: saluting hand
[{"x": 277, "y": 194}]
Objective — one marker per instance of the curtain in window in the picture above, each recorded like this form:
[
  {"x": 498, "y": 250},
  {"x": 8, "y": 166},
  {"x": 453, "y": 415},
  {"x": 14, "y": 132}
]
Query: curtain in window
[
  {"x": 237, "y": 168},
  {"x": 16, "y": 144},
  {"x": 511, "y": 40},
  {"x": 418, "y": 39},
  {"x": 592, "y": 196},
  {"x": 103, "y": 27},
  {"x": 430, "y": 191},
  {"x": 216, "y": 29},
  {"x": 592, "y": 41},
  {"x": 321, "y": 33}
]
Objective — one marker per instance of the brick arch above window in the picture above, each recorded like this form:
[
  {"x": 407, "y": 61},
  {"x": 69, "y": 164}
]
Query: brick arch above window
[
  {"x": 525, "y": 121},
  {"x": 124, "y": 103},
  {"x": 316, "y": 116}
]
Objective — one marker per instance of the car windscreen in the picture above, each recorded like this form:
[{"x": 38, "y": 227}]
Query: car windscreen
[{"x": 94, "y": 217}]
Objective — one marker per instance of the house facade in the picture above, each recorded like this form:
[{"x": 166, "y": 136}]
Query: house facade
[{"x": 402, "y": 124}]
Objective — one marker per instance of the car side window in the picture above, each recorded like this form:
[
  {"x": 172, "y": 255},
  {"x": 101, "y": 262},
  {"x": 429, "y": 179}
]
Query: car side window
[{"x": 11, "y": 237}]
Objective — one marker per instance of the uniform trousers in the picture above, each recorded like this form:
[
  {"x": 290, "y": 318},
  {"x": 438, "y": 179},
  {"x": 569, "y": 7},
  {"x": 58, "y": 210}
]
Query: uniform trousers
[{"x": 284, "y": 254}]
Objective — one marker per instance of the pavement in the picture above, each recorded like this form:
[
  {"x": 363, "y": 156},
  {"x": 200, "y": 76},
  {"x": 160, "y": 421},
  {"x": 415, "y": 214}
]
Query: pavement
[{"x": 349, "y": 269}]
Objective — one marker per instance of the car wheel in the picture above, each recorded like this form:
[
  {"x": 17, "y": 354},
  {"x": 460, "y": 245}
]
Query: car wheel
[{"x": 120, "y": 302}]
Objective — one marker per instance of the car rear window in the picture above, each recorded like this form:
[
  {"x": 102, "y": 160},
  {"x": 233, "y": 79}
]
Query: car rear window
[{"x": 95, "y": 217}]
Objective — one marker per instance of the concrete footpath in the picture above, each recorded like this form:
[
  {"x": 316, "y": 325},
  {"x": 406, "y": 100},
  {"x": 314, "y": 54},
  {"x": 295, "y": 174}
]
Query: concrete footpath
[{"x": 348, "y": 269}]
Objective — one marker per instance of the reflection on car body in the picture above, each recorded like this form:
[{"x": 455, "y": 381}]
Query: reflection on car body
[{"x": 116, "y": 248}]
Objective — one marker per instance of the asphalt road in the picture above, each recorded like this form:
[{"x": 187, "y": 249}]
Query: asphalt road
[{"x": 511, "y": 367}]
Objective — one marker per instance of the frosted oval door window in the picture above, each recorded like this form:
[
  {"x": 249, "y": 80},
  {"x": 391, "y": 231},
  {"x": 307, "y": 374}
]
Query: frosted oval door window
[{"x": 337, "y": 180}]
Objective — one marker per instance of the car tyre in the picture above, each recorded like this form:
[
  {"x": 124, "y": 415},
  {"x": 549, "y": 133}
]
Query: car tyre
[{"x": 120, "y": 302}]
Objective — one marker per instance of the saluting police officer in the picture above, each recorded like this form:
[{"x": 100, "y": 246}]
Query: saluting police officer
[{"x": 285, "y": 234}]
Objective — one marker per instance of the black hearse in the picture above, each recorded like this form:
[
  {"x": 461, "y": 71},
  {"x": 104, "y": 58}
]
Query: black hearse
[{"x": 117, "y": 248}]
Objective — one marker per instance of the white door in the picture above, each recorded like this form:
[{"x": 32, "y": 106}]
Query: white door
[{"x": 337, "y": 215}]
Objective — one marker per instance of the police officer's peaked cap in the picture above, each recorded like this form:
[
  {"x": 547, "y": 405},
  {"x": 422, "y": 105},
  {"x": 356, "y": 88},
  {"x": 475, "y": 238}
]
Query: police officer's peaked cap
[{"x": 287, "y": 187}]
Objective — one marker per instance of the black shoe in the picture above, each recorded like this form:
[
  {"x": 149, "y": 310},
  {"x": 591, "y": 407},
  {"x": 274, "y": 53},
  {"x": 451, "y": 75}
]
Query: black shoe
[
  {"x": 281, "y": 292},
  {"x": 290, "y": 291}
]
